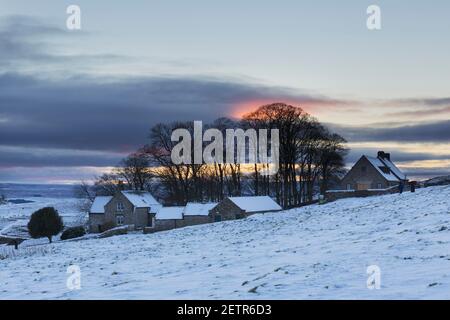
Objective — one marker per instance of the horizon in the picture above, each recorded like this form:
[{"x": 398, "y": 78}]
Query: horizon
[{"x": 73, "y": 103}]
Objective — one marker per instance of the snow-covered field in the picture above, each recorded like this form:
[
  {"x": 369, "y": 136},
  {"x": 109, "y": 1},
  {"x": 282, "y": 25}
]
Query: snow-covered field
[
  {"x": 14, "y": 217},
  {"x": 316, "y": 252}
]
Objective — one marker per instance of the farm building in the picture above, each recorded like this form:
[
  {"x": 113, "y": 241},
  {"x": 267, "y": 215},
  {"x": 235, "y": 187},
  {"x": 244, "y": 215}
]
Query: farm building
[
  {"x": 197, "y": 213},
  {"x": 168, "y": 218},
  {"x": 140, "y": 210},
  {"x": 373, "y": 173},
  {"x": 135, "y": 209},
  {"x": 240, "y": 207}
]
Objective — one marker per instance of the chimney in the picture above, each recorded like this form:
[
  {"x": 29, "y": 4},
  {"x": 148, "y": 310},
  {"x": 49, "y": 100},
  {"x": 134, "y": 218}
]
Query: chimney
[{"x": 384, "y": 155}]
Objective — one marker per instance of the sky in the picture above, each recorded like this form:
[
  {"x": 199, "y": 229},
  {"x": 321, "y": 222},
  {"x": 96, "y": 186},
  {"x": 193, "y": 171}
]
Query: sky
[{"x": 74, "y": 102}]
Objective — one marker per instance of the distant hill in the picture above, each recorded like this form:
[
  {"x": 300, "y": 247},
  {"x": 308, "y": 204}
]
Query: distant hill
[
  {"x": 438, "y": 181},
  {"x": 16, "y": 190}
]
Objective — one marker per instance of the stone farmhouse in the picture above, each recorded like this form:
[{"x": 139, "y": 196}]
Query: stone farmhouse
[
  {"x": 125, "y": 208},
  {"x": 140, "y": 210},
  {"x": 373, "y": 173}
]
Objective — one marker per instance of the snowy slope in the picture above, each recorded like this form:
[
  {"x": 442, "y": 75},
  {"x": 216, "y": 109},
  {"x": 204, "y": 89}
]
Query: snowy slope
[{"x": 315, "y": 252}]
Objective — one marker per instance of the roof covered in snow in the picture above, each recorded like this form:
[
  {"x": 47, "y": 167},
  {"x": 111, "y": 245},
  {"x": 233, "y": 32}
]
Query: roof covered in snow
[
  {"x": 140, "y": 199},
  {"x": 256, "y": 204},
  {"x": 396, "y": 171},
  {"x": 169, "y": 213},
  {"x": 378, "y": 164},
  {"x": 98, "y": 206},
  {"x": 392, "y": 172},
  {"x": 198, "y": 209}
]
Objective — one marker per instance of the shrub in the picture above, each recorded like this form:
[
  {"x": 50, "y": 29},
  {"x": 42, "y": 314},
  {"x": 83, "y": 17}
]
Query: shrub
[
  {"x": 74, "y": 232},
  {"x": 107, "y": 226},
  {"x": 45, "y": 222}
]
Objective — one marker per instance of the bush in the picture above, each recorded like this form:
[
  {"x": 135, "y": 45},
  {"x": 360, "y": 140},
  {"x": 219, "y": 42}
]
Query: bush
[
  {"x": 107, "y": 226},
  {"x": 74, "y": 232},
  {"x": 45, "y": 222}
]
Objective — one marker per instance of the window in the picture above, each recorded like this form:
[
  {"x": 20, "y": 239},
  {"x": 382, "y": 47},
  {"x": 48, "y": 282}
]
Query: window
[
  {"x": 385, "y": 170},
  {"x": 380, "y": 186},
  {"x": 120, "y": 206},
  {"x": 239, "y": 216},
  {"x": 119, "y": 220},
  {"x": 364, "y": 169},
  {"x": 349, "y": 186},
  {"x": 217, "y": 218}
]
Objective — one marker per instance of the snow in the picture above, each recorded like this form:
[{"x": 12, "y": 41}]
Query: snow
[
  {"x": 140, "y": 199},
  {"x": 169, "y": 213},
  {"x": 98, "y": 206},
  {"x": 198, "y": 209},
  {"x": 394, "y": 169},
  {"x": 255, "y": 204},
  {"x": 313, "y": 252},
  {"x": 377, "y": 164},
  {"x": 14, "y": 217}
]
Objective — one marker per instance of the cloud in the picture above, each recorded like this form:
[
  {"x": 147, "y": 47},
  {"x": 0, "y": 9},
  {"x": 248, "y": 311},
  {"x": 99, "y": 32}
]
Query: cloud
[
  {"x": 440, "y": 101},
  {"x": 38, "y": 158},
  {"x": 437, "y": 132},
  {"x": 28, "y": 43},
  {"x": 87, "y": 113},
  {"x": 421, "y": 113}
]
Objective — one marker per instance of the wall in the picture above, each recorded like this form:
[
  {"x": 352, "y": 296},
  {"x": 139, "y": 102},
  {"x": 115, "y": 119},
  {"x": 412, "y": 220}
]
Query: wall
[
  {"x": 227, "y": 210},
  {"x": 196, "y": 220},
  {"x": 96, "y": 220},
  {"x": 141, "y": 217},
  {"x": 333, "y": 195},
  {"x": 111, "y": 210}
]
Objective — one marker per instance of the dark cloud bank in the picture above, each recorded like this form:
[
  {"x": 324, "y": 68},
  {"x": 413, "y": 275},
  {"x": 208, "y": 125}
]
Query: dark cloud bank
[{"x": 113, "y": 116}]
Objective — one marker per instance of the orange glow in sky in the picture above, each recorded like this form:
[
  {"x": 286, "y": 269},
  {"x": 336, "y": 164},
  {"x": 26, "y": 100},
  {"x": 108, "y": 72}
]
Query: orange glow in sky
[{"x": 240, "y": 109}]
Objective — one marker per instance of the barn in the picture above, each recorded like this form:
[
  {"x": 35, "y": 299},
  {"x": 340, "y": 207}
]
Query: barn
[{"x": 232, "y": 208}]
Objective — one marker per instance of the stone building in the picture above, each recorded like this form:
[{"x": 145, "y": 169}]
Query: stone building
[
  {"x": 197, "y": 213},
  {"x": 232, "y": 208},
  {"x": 140, "y": 210},
  {"x": 135, "y": 209},
  {"x": 168, "y": 218},
  {"x": 373, "y": 173}
]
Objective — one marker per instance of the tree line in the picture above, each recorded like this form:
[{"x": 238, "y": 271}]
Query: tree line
[{"x": 311, "y": 159}]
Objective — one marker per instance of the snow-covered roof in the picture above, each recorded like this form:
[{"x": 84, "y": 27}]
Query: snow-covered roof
[
  {"x": 169, "y": 213},
  {"x": 378, "y": 164},
  {"x": 140, "y": 199},
  {"x": 394, "y": 169},
  {"x": 98, "y": 206},
  {"x": 256, "y": 204},
  {"x": 198, "y": 209}
]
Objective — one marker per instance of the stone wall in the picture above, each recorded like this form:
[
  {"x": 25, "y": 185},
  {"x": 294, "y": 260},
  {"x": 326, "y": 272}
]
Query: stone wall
[
  {"x": 111, "y": 211},
  {"x": 196, "y": 220},
  {"x": 334, "y": 195},
  {"x": 96, "y": 221}
]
